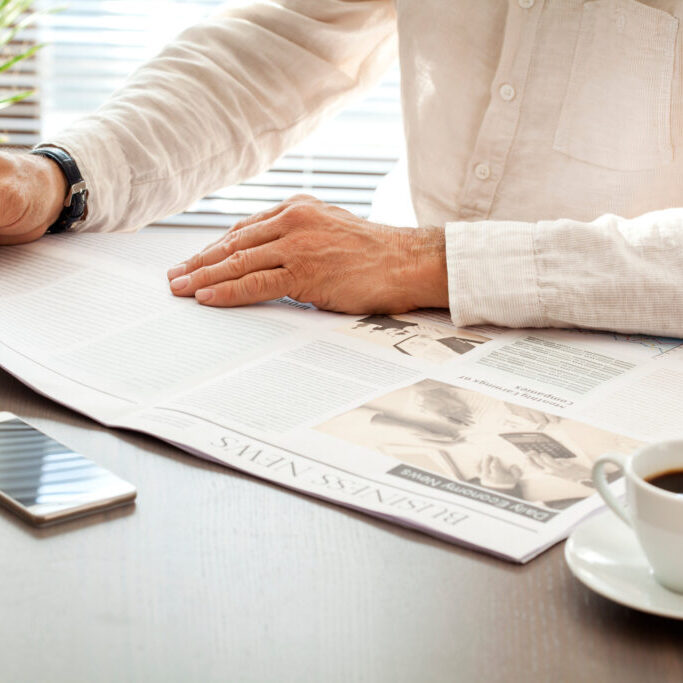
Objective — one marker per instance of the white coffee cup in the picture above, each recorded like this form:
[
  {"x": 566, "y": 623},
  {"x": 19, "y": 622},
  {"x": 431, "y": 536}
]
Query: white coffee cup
[{"x": 656, "y": 515}]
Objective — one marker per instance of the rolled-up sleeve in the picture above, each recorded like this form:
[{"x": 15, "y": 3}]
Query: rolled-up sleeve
[
  {"x": 221, "y": 102},
  {"x": 612, "y": 273}
]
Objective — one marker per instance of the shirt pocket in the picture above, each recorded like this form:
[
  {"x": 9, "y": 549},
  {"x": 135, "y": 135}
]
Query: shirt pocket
[{"x": 617, "y": 108}]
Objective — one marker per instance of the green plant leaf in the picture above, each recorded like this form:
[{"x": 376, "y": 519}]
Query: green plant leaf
[
  {"x": 15, "y": 17},
  {"x": 10, "y": 33},
  {"x": 24, "y": 55},
  {"x": 11, "y": 10},
  {"x": 17, "y": 97}
]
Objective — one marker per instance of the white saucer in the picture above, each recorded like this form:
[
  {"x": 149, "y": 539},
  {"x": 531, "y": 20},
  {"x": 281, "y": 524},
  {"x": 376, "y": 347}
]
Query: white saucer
[{"x": 605, "y": 555}]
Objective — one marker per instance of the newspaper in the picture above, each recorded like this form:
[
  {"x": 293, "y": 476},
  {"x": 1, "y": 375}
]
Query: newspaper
[{"x": 481, "y": 436}]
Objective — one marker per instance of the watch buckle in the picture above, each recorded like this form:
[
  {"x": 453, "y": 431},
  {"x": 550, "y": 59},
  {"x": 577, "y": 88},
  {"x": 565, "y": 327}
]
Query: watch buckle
[{"x": 78, "y": 188}]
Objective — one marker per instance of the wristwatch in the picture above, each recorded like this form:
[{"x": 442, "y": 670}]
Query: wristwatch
[{"x": 76, "y": 202}]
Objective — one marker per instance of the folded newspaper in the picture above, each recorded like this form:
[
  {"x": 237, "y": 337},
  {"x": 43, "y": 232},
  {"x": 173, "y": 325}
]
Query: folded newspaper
[{"x": 481, "y": 436}]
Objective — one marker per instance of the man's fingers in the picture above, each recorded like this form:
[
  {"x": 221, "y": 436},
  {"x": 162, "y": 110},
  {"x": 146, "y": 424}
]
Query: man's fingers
[
  {"x": 212, "y": 253},
  {"x": 262, "y": 257},
  {"x": 253, "y": 288},
  {"x": 244, "y": 234},
  {"x": 271, "y": 213},
  {"x": 207, "y": 257},
  {"x": 258, "y": 218},
  {"x": 194, "y": 262},
  {"x": 247, "y": 238}
]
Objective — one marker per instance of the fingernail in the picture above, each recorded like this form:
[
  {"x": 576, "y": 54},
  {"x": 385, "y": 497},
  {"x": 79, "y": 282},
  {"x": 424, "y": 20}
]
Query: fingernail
[
  {"x": 204, "y": 295},
  {"x": 177, "y": 271},
  {"x": 180, "y": 283}
]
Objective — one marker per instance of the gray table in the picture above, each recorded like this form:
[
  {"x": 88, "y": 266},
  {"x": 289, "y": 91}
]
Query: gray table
[{"x": 216, "y": 576}]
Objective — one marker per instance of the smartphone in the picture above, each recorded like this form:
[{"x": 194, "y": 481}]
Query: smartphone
[{"x": 44, "y": 482}]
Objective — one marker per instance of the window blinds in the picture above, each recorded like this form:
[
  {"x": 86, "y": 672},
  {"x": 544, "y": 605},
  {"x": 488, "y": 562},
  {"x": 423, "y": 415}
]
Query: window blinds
[{"x": 94, "y": 44}]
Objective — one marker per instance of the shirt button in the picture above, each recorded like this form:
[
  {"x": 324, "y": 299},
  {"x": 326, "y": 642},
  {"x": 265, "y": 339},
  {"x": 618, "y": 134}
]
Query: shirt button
[
  {"x": 526, "y": 4},
  {"x": 507, "y": 92},
  {"x": 482, "y": 171}
]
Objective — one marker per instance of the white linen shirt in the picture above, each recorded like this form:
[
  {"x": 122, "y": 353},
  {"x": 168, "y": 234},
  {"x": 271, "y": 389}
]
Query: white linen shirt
[{"x": 545, "y": 135}]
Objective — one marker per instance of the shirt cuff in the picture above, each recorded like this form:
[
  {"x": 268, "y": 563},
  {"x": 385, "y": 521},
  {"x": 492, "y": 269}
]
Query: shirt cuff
[
  {"x": 492, "y": 274},
  {"x": 105, "y": 171}
]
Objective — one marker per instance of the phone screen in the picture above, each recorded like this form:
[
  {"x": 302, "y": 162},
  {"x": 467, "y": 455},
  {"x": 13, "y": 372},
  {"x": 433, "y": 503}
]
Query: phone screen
[{"x": 45, "y": 482}]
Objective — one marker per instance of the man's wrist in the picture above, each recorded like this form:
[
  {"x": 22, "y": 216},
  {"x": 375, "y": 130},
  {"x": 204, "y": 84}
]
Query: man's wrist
[
  {"x": 52, "y": 178},
  {"x": 75, "y": 205},
  {"x": 426, "y": 276}
]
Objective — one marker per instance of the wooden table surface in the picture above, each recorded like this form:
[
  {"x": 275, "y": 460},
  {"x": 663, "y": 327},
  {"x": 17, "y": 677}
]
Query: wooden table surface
[{"x": 216, "y": 576}]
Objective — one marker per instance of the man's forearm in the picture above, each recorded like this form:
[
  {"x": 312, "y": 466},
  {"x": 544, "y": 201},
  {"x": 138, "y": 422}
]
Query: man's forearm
[
  {"x": 613, "y": 273},
  {"x": 222, "y": 102}
]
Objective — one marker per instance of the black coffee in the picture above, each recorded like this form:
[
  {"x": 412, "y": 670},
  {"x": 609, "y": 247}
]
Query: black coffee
[{"x": 671, "y": 480}]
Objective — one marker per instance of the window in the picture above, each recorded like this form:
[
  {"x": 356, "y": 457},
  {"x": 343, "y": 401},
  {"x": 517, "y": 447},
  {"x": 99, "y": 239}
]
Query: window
[{"x": 94, "y": 44}]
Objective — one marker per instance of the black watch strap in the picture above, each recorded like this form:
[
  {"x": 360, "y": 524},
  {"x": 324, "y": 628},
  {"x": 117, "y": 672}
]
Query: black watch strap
[{"x": 76, "y": 201}]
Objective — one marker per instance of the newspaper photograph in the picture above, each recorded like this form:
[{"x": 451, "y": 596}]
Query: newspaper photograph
[
  {"x": 414, "y": 337},
  {"x": 482, "y": 437},
  {"x": 476, "y": 439}
]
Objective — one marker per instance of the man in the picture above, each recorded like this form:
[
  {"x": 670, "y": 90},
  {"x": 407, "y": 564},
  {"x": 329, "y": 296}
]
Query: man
[{"x": 540, "y": 135}]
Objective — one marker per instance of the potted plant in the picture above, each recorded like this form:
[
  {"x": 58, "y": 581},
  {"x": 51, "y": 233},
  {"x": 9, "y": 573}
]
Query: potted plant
[{"x": 15, "y": 17}]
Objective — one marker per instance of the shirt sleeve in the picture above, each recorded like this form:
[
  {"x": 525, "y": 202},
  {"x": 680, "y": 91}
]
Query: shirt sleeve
[
  {"x": 614, "y": 273},
  {"x": 221, "y": 102}
]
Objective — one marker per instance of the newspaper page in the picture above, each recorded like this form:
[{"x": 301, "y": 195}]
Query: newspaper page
[{"x": 481, "y": 436}]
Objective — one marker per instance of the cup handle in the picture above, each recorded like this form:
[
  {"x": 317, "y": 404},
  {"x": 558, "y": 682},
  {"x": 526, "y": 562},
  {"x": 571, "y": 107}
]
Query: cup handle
[{"x": 600, "y": 481}]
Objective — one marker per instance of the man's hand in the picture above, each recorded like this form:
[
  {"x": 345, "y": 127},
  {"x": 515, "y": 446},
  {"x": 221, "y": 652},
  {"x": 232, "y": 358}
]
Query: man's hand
[
  {"x": 32, "y": 192},
  {"x": 317, "y": 253}
]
